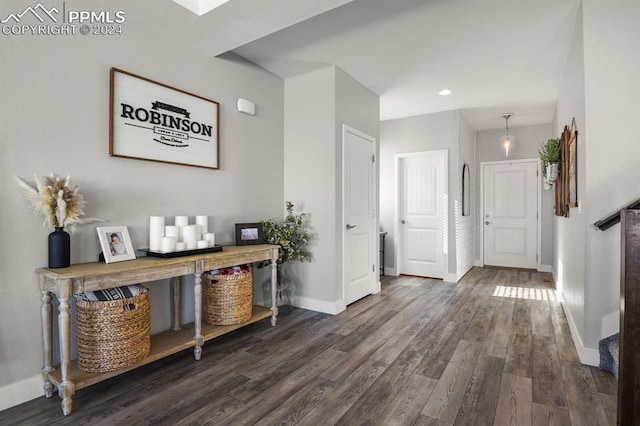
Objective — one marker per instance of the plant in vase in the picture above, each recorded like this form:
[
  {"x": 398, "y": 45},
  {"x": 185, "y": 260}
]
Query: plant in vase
[
  {"x": 292, "y": 237},
  {"x": 60, "y": 206},
  {"x": 550, "y": 157}
]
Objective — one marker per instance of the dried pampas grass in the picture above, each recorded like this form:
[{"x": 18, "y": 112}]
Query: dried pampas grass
[{"x": 53, "y": 199}]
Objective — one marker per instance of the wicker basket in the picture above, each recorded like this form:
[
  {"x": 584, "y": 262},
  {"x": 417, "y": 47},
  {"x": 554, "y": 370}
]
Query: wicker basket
[
  {"x": 111, "y": 337},
  {"x": 228, "y": 299}
]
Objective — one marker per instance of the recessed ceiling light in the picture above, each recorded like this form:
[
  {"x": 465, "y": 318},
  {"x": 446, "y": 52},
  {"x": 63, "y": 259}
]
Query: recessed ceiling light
[
  {"x": 200, "y": 7},
  {"x": 445, "y": 92}
]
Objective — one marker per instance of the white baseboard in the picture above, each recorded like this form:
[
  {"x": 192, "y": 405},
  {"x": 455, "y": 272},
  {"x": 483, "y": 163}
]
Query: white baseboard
[
  {"x": 588, "y": 356},
  {"x": 477, "y": 262},
  {"x": 545, "y": 268},
  {"x": 390, "y": 271},
  {"x": 450, "y": 278},
  {"x": 323, "y": 306},
  {"x": 22, "y": 391},
  {"x": 610, "y": 324}
]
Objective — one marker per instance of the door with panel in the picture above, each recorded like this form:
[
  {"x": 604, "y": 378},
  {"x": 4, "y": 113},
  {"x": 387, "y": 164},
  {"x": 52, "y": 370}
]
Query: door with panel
[{"x": 510, "y": 221}]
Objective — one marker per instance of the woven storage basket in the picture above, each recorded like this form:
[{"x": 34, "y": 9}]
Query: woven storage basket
[
  {"x": 228, "y": 299},
  {"x": 110, "y": 337}
]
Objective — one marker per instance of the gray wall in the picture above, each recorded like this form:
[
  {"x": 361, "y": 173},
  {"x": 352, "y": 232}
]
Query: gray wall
[
  {"x": 465, "y": 225},
  {"x": 569, "y": 233},
  {"x": 311, "y": 176},
  {"x": 421, "y": 133},
  {"x": 600, "y": 89},
  {"x": 317, "y": 104},
  {"x": 528, "y": 139},
  {"x": 55, "y": 115},
  {"x": 612, "y": 138}
]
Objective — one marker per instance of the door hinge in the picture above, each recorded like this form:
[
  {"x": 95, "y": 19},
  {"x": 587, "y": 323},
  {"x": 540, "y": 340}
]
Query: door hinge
[
  {"x": 373, "y": 268},
  {"x": 373, "y": 158}
]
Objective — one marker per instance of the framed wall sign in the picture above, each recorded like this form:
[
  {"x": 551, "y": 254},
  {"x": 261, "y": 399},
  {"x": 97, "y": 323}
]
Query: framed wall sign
[{"x": 156, "y": 122}]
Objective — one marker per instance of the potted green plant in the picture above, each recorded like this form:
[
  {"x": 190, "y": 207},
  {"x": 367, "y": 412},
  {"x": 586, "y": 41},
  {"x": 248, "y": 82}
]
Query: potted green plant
[
  {"x": 550, "y": 157},
  {"x": 292, "y": 237}
]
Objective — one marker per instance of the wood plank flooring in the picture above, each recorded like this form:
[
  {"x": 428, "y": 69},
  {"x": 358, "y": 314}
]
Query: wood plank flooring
[{"x": 494, "y": 349}]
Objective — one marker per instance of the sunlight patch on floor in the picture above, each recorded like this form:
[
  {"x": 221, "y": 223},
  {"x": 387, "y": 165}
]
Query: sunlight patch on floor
[{"x": 526, "y": 293}]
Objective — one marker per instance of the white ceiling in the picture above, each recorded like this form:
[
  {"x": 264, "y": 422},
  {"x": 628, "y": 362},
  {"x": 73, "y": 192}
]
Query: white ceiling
[{"x": 496, "y": 55}]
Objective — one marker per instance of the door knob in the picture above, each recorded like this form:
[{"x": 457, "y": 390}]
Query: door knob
[
  {"x": 487, "y": 223},
  {"x": 403, "y": 221},
  {"x": 351, "y": 226}
]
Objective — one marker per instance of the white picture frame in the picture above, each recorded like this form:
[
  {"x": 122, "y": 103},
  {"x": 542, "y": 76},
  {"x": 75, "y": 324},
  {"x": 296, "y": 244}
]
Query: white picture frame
[
  {"x": 156, "y": 122},
  {"x": 115, "y": 243}
]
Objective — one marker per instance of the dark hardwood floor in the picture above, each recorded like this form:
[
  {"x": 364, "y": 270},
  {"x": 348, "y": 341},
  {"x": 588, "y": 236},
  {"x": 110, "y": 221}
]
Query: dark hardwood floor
[{"x": 492, "y": 349}]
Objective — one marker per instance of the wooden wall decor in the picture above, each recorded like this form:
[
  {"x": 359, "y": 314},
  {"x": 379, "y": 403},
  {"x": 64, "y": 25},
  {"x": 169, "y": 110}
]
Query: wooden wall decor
[
  {"x": 567, "y": 184},
  {"x": 572, "y": 166}
]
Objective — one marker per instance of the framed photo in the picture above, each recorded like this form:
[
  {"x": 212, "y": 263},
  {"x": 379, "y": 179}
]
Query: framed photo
[
  {"x": 155, "y": 122},
  {"x": 116, "y": 243},
  {"x": 249, "y": 233}
]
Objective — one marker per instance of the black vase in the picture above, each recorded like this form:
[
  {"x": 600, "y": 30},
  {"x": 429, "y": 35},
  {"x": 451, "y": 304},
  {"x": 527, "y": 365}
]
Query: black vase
[{"x": 59, "y": 249}]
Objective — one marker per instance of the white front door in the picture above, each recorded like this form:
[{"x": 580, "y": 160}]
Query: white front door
[
  {"x": 359, "y": 214},
  {"x": 422, "y": 181},
  {"x": 509, "y": 219}
]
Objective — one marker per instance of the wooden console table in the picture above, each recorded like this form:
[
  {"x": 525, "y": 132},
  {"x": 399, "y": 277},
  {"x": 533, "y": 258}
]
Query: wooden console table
[{"x": 83, "y": 277}]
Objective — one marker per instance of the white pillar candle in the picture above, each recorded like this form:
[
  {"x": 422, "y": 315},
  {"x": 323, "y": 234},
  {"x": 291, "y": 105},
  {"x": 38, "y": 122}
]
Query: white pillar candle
[
  {"x": 211, "y": 238},
  {"x": 172, "y": 231},
  {"x": 181, "y": 246},
  {"x": 167, "y": 244},
  {"x": 203, "y": 221},
  {"x": 198, "y": 232},
  {"x": 156, "y": 232},
  {"x": 202, "y": 244},
  {"x": 181, "y": 221},
  {"x": 189, "y": 236}
]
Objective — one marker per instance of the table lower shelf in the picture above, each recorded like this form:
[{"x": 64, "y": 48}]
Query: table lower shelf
[{"x": 164, "y": 344}]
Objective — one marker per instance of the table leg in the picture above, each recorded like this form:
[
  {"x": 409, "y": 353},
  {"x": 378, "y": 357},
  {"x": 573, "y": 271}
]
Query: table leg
[
  {"x": 176, "y": 292},
  {"x": 46, "y": 312},
  {"x": 197, "y": 295},
  {"x": 274, "y": 283},
  {"x": 66, "y": 389}
]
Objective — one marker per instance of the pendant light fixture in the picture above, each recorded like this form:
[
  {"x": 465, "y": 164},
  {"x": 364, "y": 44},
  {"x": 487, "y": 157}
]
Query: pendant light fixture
[{"x": 507, "y": 142}]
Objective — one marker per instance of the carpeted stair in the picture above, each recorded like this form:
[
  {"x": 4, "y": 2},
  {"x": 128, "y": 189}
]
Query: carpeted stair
[{"x": 609, "y": 349}]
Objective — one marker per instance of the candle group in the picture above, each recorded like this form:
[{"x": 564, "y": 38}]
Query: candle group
[{"x": 180, "y": 236}]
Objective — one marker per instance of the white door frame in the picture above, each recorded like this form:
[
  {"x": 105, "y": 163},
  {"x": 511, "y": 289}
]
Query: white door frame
[
  {"x": 483, "y": 164},
  {"x": 396, "y": 212},
  {"x": 375, "y": 223}
]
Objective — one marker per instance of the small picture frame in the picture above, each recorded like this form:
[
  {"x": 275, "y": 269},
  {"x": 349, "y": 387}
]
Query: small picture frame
[
  {"x": 249, "y": 234},
  {"x": 116, "y": 243}
]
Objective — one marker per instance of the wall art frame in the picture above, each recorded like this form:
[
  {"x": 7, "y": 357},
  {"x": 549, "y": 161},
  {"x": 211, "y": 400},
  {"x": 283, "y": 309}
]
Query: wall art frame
[
  {"x": 572, "y": 166},
  {"x": 153, "y": 121},
  {"x": 466, "y": 190},
  {"x": 115, "y": 243}
]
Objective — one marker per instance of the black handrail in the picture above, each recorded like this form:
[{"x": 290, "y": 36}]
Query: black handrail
[{"x": 608, "y": 221}]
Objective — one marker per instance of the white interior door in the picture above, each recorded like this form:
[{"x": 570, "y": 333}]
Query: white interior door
[
  {"x": 509, "y": 219},
  {"x": 359, "y": 214},
  {"x": 421, "y": 197}
]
